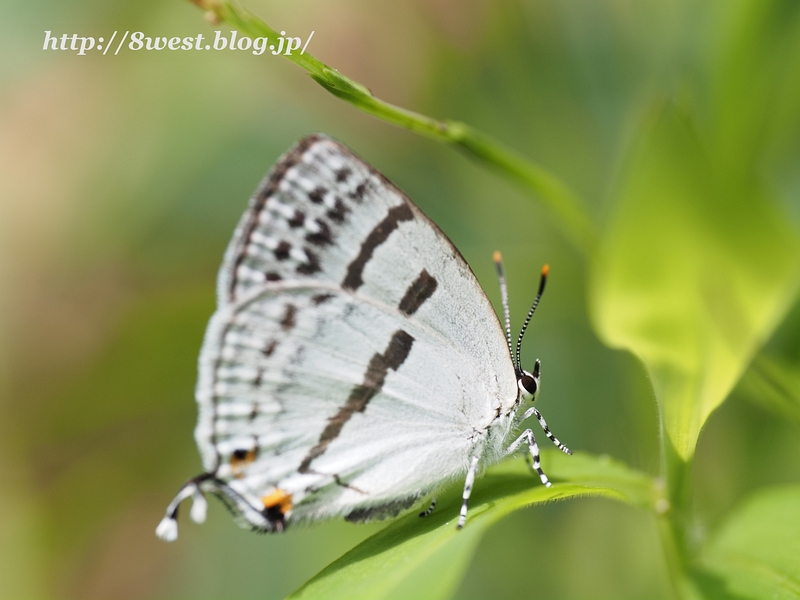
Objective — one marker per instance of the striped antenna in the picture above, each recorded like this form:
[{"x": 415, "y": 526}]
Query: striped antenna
[
  {"x": 501, "y": 275},
  {"x": 542, "y": 281}
]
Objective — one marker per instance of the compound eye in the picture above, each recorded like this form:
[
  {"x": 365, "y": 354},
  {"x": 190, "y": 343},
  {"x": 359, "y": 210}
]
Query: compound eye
[{"x": 529, "y": 383}]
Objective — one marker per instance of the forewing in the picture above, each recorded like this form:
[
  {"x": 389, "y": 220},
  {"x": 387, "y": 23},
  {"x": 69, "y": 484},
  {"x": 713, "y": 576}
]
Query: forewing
[
  {"x": 324, "y": 215},
  {"x": 308, "y": 219}
]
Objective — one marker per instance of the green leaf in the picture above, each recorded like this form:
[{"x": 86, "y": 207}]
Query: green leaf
[
  {"x": 426, "y": 558},
  {"x": 756, "y": 554},
  {"x": 591, "y": 471},
  {"x": 696, "y": 268}
]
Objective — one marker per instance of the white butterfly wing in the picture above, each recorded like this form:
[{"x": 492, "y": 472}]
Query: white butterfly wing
[
  {"x": 354, "y": 361},
  {"x": 309, "y": 219}
]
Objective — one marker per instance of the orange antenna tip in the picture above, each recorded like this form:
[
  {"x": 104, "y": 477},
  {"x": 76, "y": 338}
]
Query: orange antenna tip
[
  {"x": 545, "y": 270},
  {"x": 497, "y": 256}
]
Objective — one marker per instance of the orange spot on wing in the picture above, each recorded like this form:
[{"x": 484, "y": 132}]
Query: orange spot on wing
[
  {"x": 280, "y": 499},
  {"x": 240, "y": 460}
]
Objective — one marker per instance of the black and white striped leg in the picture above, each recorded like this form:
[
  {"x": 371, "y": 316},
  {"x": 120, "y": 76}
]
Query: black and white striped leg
[
  {"x": 528, "y": 436},
  {"x": 532, "y": 411},
  {"x": 429, "y": 510},
  {"x": 473, "y": 468}
]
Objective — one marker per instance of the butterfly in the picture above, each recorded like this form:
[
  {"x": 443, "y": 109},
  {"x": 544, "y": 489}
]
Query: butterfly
[{"x": 354, "y": 366}]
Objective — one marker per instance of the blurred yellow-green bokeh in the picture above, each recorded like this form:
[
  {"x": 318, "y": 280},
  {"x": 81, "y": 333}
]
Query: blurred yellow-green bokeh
[{"x": 122, "y": 178}]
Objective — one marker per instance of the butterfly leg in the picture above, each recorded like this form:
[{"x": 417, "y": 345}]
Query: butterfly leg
[
  {"x": 429, "y": 510},
  {"x": 532, "y": 411},
  {"x": 528, "y": 436},
  {"x": 473, "y": 468}
]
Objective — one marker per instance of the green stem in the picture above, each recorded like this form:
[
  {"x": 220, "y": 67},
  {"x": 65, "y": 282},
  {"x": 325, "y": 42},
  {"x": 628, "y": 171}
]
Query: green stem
[
  {"x": 672, "y": 554},
  {"x": 675, "y": 520},
  {"x": 566, "y": 207}
]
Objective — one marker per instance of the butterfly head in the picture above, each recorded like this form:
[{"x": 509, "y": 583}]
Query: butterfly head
[{"x": 528, "y": 383}]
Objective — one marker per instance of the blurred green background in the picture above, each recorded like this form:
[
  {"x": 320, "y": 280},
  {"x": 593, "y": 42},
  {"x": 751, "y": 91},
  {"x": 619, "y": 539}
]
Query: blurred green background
[{"x": 121, "y": 180}]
